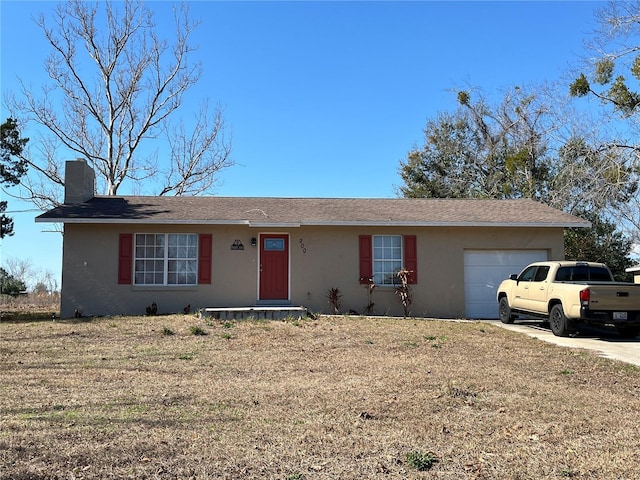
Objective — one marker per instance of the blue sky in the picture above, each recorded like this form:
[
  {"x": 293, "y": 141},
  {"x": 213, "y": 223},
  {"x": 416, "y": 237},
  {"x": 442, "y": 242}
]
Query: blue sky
[{"x": 324, "y": 99}]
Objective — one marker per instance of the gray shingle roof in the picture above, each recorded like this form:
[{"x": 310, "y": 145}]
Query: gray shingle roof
[{"x": 267, "y": 211}]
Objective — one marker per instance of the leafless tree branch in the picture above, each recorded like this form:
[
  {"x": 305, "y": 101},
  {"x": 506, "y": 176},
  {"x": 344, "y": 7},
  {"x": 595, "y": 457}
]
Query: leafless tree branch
[{"x": 115, "y": 83}]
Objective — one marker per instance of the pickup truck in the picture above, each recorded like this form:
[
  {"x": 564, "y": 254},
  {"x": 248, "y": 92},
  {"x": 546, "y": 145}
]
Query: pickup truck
[{"x": 571, "y": 293}]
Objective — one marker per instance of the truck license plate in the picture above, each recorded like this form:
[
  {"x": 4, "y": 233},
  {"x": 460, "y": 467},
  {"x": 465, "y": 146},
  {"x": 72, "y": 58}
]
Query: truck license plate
[{"x": 619, "y": 315}]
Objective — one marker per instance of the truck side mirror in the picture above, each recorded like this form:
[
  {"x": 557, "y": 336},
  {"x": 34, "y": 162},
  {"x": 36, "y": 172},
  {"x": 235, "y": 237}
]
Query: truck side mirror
[{"x": 514, "y": 276}]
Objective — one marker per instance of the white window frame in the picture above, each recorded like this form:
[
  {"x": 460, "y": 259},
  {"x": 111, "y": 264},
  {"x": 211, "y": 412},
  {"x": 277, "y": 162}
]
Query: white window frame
[
  {"x": 159, "y": 269},
  {"x": 387, "y": 257}
]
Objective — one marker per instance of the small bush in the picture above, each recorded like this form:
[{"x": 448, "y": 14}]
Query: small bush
[
  {"x": 167, "y": 331},
  {"x": 195, "y": 330},
  {"x": 368, "y": 281},
  {"x": 334, "y": 296},
  {"x": 152, "y": 309},
  {"x": 403, "y": 290},
  {"x": 421, "y": 461}
]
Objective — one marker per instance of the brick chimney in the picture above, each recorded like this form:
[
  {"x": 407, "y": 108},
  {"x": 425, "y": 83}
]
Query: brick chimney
[{"x": 79, "y": 181}]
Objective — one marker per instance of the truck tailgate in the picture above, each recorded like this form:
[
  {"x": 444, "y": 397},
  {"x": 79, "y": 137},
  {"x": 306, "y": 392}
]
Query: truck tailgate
[{"x": 614, "y": 297}]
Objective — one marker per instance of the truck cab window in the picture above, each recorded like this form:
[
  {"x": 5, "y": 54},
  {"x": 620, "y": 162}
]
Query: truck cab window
[
  {"x": 541, "y": 274},
  {"x": 598, "y": 274},
  {"x": 528, "y": 274}
]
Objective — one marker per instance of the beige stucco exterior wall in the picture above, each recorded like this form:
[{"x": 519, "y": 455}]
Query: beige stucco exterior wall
[{"x": 320, "y": 258}]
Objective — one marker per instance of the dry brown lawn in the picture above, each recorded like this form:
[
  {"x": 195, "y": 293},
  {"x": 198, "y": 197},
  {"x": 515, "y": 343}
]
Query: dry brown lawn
[{"x": 331, "y": 398}]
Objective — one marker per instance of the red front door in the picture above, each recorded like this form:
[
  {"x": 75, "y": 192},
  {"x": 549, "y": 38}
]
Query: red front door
[{"x": 274, "y": 267}]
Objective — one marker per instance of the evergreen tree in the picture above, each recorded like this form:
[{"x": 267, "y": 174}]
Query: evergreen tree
[
  {"x": 12, "y": 167},
  {"x": 10, "y": 285}
]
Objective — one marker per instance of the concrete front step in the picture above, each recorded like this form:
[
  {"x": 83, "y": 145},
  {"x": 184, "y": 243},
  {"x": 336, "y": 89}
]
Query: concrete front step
[{"x": 257, "y": 312}]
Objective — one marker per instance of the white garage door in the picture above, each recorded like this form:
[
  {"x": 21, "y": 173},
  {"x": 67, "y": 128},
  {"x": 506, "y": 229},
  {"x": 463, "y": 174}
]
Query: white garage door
[{"x": 483, "y": 272}]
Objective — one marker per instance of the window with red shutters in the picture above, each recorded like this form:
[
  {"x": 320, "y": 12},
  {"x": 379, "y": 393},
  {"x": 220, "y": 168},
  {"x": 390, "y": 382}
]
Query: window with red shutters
[
  {"x": 126, "y": 261},
  {"x": 410, "y": 258}
]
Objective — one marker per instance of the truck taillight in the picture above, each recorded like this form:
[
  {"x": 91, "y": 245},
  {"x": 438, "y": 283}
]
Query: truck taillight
[{"x": 585, "y": 296}]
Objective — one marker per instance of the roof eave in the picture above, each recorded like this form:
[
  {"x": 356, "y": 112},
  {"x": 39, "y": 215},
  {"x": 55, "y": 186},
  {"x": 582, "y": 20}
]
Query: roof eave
[{"x": 383, "y": 223}]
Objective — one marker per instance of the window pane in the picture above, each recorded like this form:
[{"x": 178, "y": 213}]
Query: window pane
[
  {"x": 191, "y": 266},
  {"x": 274, "y": 244}
]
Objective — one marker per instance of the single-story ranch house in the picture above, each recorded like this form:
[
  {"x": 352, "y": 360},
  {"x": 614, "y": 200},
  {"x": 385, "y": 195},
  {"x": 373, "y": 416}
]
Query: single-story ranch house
[{"x": 121, "y": 254}]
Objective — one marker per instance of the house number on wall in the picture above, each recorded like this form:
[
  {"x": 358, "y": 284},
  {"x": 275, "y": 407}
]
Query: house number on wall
[{"x": 304, "y": 250}]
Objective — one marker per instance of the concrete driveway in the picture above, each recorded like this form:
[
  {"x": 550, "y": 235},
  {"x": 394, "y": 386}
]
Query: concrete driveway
[{"x": 607, "y": 343}]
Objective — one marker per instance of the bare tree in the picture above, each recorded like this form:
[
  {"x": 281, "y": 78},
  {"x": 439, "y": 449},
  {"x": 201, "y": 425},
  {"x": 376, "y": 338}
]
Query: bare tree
[
  {"x": 32, "y": 276},
  {"x": 115, "y": 85},
  {"x": 21, "y": 269},
  {"x": 194, "y": 156}
]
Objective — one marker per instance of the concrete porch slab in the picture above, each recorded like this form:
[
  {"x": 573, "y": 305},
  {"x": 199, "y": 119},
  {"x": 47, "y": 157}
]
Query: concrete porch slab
[{"x": 258, "y": 312}]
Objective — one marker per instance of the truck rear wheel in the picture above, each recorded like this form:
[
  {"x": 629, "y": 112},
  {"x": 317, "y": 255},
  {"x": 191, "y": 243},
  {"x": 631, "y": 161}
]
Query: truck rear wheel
[
  {"x": 558, "y": 322},
  {"x": 504, "y": 311}
]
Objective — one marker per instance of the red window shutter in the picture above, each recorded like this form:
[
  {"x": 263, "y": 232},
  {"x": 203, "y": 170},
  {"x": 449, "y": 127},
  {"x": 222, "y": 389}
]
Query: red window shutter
[
  {"x": 411, "y": 257},
  {"x": 366, "y": 259},
  {"x": 204, "y": 258},
  {"x": 125, "y": 259}
]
